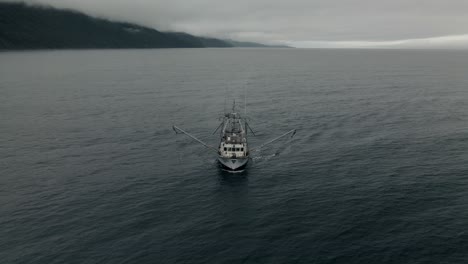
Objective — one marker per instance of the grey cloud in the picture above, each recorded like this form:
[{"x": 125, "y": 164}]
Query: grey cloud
[{"x": 295, "y": 21}]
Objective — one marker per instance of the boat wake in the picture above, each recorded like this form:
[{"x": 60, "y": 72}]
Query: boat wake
[{"x": 264, "y": 157}]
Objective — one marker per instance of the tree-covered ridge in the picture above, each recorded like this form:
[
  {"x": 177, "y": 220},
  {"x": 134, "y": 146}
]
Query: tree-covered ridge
[{"x": 35, "y": 27}]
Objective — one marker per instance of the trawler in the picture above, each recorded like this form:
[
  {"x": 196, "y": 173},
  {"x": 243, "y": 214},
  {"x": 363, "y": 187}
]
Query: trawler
[{"x": 233, "y": 150}]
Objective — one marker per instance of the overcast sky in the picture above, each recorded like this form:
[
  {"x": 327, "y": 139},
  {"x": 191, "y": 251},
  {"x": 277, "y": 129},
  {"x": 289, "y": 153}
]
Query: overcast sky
[{"x": 300, "y": 23}]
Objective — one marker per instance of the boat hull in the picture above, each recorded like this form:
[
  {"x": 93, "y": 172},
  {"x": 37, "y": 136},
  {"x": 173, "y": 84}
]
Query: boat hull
[{"x": 233, "y": 164}]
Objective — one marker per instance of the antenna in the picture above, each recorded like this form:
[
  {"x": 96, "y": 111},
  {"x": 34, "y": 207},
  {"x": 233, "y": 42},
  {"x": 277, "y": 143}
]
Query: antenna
[
  {"x": 226, "y": 92},
  {"x": 245, "y": 103},
  {"x": 224, "y": 105},
  {"x": 245, "y": 113}
]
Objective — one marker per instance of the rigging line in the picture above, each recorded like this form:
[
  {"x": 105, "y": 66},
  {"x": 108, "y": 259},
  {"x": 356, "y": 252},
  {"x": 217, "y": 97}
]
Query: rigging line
[
  {"x": 292, "y": 132},
  {"x": 178, "y": 129}
]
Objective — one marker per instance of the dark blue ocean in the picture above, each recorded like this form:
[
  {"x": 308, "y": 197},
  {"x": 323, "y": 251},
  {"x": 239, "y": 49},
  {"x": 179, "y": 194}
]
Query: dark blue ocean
[{"x": 92, "y": 172}]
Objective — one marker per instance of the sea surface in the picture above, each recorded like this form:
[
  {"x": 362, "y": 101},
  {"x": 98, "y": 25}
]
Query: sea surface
[{"x": 92, "y": 172}]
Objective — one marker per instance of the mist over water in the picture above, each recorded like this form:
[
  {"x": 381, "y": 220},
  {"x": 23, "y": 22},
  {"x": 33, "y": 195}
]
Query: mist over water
[{"x": 91, "y": 171}]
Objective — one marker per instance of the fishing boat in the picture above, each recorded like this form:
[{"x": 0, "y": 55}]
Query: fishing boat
[{"x": 233, "y": 150}]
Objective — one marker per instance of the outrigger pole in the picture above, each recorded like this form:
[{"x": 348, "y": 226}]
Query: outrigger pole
[
  {"x": 177, "y": 130},
  {"x": 293, "y": 132}
]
